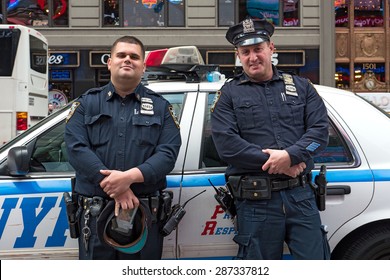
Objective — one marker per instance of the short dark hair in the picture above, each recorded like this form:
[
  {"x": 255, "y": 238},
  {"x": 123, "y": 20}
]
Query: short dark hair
[{"x": 130, "y": 40}]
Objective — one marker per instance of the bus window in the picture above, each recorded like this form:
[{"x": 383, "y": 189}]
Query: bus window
[
  {"x": 38, "y": 55},
  {"x": 9, "y": 40}
]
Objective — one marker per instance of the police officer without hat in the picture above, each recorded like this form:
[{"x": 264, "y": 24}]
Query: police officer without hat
[
  {"x": 268, "y": 125},
  {"x": 122, "y": 139}
]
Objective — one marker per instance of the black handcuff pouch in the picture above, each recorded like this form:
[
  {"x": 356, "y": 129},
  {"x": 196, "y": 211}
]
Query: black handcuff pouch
[{"x": 250, "y": 187}]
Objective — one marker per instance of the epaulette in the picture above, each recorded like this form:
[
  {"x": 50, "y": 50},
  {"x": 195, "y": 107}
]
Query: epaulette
[
  {"x": 93, "y": 90},
  {"x": 149, "y": 91}
]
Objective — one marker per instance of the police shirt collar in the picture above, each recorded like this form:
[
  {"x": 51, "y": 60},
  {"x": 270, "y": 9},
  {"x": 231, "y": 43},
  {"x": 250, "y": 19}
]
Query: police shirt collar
[{"x": 111, "y": 92}]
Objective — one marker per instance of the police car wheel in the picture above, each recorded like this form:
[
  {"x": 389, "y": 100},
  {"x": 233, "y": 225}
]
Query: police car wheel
[{"x": 372, "y": 244}]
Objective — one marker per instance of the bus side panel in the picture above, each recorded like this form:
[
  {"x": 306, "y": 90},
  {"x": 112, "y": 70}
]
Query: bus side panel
[
  {"x": 5, "y": 127},
  {"x": 7, "y": 109}
]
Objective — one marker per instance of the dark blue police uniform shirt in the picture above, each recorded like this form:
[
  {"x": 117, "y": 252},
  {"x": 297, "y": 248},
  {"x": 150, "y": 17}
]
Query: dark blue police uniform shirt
[
  {"x": 106, "y": 131},
  {"x": 248, "y": 117}
]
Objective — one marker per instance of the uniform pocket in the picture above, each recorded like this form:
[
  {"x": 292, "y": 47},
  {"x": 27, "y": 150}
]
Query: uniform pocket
[
  {"x": 147, "y": 129},
  {"x": 99, "y": 128},
  {"x": 252, "y": 210},
  {"x": 305, "y": 201},
  {"x": 249, "y": 115},
  {"x": 242, "y": 240},
  {"x": 296, "y": 109}
]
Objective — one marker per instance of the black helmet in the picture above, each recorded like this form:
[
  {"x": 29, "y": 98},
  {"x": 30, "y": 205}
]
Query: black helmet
[{"x": 126, "y": 243}]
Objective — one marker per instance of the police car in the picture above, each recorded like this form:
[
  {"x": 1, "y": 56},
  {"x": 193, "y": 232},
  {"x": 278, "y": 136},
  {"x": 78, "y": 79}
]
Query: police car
[{"x": 33, "y": 221}]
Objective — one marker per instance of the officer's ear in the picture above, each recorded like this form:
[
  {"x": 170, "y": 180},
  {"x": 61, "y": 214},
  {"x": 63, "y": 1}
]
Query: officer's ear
[
  {"x": 272, "y": 47},
  {"x": 109, "y": 63}
]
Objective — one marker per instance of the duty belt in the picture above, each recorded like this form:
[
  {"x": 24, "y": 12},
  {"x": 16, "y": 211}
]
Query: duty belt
[
  {"x": 94, "y": 204},
  {"x": 277, "y": 184},
  {"x": 261, "y": 187}
]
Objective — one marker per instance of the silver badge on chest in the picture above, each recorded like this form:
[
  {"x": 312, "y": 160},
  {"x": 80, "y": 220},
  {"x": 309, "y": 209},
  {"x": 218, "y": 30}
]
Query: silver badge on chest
[{"x": 146, "y": 106}]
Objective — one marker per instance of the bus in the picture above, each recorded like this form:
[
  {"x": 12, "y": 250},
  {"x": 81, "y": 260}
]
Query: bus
[{"x": 23, "y": 79}]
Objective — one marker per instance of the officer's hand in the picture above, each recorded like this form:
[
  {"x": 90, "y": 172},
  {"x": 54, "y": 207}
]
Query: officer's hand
[
  {"x": 278, "y": 162},
  {"x": 126, "y": 200},
  {"x": 115, "y": 183},
  {"x": 295, "y": 170}
]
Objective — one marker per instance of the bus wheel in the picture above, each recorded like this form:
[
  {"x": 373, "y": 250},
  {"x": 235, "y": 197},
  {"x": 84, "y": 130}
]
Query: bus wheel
[{"x": 370, "y": 244}]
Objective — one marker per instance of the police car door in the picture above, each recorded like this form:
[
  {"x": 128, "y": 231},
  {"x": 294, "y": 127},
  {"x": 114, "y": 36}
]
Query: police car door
[
  {"x": 33, "y": 221},
  {"x": 205, "y": 231}
]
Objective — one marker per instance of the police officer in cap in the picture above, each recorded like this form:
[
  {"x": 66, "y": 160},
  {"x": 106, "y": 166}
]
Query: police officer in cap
[
  {"x": 122, "y": 140},
  {"x": 268, "y": 126}
]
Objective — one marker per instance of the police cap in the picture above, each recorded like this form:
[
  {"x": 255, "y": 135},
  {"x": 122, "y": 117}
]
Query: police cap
[
  {"x": 129, "y": 244},
  {"x": 250, "y": 32}
]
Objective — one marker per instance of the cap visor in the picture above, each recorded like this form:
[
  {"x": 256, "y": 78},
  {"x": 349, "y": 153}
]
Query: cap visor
[{"x": 251, "y": 41}]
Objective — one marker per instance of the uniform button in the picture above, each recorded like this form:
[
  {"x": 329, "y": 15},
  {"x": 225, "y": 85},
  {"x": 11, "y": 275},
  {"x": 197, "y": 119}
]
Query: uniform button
[
  {"x": 147, "y": 122},
  {"x": 122, "y": 119},
  {"x": 270, "y": 103},
  {"x": 278, "y": 137},
  {"x": 120, "y": 134},
  {"x": 119, "y": 152}
]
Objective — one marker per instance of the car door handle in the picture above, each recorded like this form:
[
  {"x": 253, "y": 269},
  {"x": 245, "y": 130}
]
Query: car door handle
[{"x": 338, "y": 190}]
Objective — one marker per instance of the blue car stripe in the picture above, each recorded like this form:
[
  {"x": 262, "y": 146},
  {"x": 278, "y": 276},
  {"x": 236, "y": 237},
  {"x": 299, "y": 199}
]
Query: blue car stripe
[{"x": 39, "y": 186}]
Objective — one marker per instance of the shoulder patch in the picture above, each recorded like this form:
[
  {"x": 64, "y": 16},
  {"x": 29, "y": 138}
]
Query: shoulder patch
[
  {"x": 173, "y": 115},
  {"x": 216, "y": 98},
  {"x": 72, "y": 110}
]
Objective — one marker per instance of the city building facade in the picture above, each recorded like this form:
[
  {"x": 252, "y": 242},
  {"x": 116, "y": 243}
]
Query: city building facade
[{"x": 310, "y": 37}]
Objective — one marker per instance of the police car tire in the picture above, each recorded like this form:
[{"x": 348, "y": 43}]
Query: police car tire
[{"x": 373, "y": 244}]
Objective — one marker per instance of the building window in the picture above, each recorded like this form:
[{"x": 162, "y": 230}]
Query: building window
[
  {"x": 37, "y": 12},
  {"x": 226, "y": 13},
  {"x": 342, "y": 76},
  {"x": 144, "y": 13},
  {"x": 341, "y": 13},
  {"x": 1, "y": 12},
  {"x": 368, "y": 13},
  {"x": 111, "y": 13},
  {"x": 279, "y": 12}
]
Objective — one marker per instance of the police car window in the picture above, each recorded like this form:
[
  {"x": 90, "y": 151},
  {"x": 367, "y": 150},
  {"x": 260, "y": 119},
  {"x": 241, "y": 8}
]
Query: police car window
[
  {"x": 176, "y": 100},
  {"x": 210, "y": 157},
  {"x": 49, "y": 153},
  {"x": 337, "y": 151}
]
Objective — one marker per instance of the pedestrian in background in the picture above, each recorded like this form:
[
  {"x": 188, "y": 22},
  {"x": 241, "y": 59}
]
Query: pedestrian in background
[{"x": 50, "y": 108}]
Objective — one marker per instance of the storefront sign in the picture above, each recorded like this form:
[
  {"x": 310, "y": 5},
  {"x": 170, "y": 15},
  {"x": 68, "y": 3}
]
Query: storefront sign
[
  {"x": 60, "y": 75},
  {"x": 98, "y": 58},
  {"x": 64, "y": 59}
]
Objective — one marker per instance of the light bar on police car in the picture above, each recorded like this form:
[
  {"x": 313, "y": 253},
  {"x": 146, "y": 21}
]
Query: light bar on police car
[{"x": 177, "y": 58}]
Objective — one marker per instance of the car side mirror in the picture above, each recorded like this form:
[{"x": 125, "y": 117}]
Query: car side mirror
[{"x": 18, "y": 161}]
